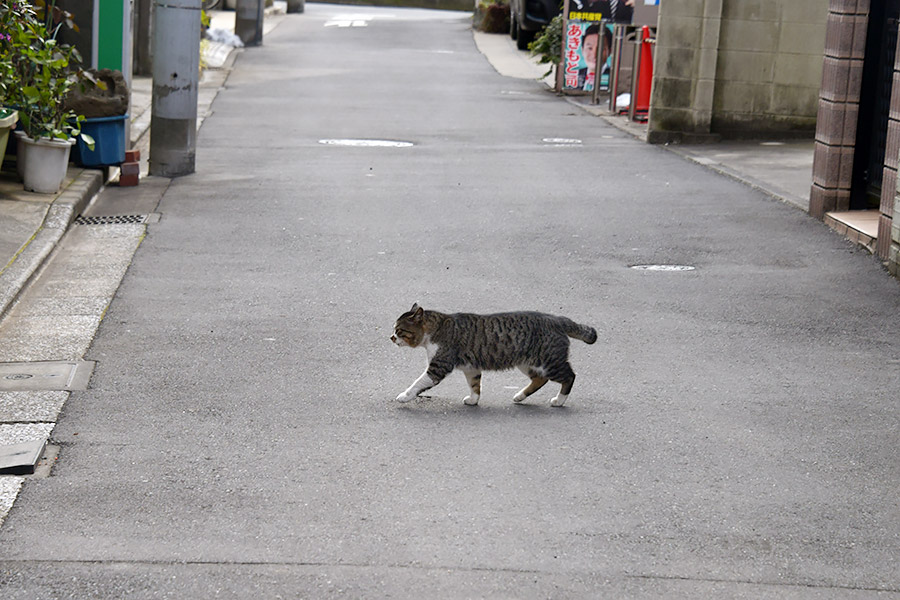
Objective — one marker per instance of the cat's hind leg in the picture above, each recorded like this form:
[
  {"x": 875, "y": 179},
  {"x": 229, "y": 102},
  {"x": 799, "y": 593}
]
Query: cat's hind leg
[
  {"x": 537, "y": 382},
  {"x": 473, "y": 376},
  {"x": 565, "y": 376}
]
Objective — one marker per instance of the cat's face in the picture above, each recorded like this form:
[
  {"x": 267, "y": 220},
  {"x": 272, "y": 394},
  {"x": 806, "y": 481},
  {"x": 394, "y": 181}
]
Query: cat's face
[{"x": 409, "y": 330}]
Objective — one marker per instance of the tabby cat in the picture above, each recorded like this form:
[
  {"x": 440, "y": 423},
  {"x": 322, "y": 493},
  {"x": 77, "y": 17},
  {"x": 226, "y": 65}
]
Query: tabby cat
[{"x": 536, "y": 343}]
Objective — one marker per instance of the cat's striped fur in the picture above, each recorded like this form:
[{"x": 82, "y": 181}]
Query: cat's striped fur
[{"x": 535, "y": 343}]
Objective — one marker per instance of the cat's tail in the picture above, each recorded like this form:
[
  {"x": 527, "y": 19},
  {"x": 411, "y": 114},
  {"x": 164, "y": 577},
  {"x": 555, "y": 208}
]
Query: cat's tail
[{"x": 586, "y": 334}]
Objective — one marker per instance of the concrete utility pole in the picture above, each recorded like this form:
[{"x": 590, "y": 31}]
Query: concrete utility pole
[
  {"x": 176, "y": 73},
  {"x": 248, "y": 21}
]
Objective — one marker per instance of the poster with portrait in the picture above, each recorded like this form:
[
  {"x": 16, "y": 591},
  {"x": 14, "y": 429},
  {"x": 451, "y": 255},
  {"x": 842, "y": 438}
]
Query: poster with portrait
[
  {"x": 580, "y": 39},
  {"x": 587, "y": 41}
]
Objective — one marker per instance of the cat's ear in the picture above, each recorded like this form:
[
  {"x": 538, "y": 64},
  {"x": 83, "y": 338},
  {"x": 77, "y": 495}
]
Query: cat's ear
[{"x": 417, "y": 313}]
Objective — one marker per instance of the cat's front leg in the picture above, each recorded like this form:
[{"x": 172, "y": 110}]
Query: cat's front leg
[
  {"x": 438, "y": 368},
  {"x": 418, "y": 386}
]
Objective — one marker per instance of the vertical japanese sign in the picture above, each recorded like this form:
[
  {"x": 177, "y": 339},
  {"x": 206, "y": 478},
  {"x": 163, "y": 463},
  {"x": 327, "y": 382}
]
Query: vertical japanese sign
[{"x": 582, "y": 34}]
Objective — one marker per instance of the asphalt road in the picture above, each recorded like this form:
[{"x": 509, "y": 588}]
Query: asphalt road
[{"x": 733, "y": 433}]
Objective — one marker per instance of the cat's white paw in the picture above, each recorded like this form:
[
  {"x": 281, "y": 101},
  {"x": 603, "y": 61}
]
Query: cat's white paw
[
  {"x": 519, "y": 397},
  {"x": 405, "y": 397},
  {"x": 559, "y": 400},
  {"x": 471, "y": 400}
]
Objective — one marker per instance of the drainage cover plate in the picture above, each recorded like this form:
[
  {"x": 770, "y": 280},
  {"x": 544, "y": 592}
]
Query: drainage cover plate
[
  {"x": 111, "y": 220},
  {"x": 45, "y": 376}
]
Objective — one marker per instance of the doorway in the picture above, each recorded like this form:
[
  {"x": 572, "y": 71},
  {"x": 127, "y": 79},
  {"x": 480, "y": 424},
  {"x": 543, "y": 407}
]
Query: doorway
[{"x": 874, "y": 104}]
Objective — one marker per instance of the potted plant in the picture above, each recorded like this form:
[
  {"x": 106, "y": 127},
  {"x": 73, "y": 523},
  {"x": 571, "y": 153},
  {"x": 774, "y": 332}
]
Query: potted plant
[
  {"x": 8, "y": 114},
  {"x": 45, "y": 72},
  {"x": 103, "y": 101}
]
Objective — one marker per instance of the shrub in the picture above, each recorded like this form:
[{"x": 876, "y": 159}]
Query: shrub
[
  {"x": 548, "y": 44},
  {"x": 494, "y": 16}
]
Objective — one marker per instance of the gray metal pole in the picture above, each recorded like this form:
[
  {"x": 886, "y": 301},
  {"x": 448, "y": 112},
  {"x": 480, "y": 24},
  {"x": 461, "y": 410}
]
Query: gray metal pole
[
  {"x": 248, "y": 21},
  {"x": 176, "y": 73}
]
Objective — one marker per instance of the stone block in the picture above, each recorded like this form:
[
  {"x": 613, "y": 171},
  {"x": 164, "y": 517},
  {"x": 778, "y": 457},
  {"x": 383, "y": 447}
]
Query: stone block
[
  {"x": 894, "y": 260},
  {"x": 835, "y": 78},
  {"x": 892, "y": 145},
  {"x": 888, "y": 190},
  {"x": 793, "y": 100},
  {"x": 672, "y": 93},
  {"x": 883, "y": 241},
  {"x": 830, "y": 119},
  {"x": 130, "y": 174},
  {"x": 823, "y": 200},
  {"x": 679, "y": 63},
  {"x": 851, "y": 118},
  {"x": 845, "y": 177},
  {"x": 683, "y": 32},
  {"x": 747, "y": 66},
  {"x": 803, "y": 11},
  {"x": 799, "y": 70},
  {"x": 751, "y": 11},
  {"x": 749, "y": 35},
  {"x": 827, "y": 165},
  {"x": 895, "y": 96},
  {"x": 854, "y": 82},
  {"x": 741, "y": 97},
  {"x": 839, "y": 35}
]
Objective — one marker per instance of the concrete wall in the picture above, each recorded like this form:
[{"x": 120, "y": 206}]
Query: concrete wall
[
  {"x": 737, "y": 68},
  {"x": 464, "y": 5}
]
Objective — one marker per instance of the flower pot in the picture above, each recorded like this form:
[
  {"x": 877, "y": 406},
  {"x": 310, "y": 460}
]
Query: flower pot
[
  {"x": 109, "y": 142},
  {"x": 43, "y": 163},
  {"x": 8, "y": 120}
]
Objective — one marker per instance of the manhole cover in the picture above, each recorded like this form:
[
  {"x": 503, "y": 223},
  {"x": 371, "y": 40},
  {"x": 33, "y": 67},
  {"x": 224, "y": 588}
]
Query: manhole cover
[
  {"x": 662, "y": 267},
  {"x": 367, "y": 143},
  {"x": 45, "y": 376},
  {"x": 562, "y": 141}
]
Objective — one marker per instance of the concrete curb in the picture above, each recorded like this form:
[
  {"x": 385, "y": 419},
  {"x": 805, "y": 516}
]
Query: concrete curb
[{"x": 59, "y": 216}]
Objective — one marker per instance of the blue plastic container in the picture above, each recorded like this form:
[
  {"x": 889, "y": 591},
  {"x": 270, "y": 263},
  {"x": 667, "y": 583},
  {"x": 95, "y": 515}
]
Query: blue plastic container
[{"x": 109, "y": 142}]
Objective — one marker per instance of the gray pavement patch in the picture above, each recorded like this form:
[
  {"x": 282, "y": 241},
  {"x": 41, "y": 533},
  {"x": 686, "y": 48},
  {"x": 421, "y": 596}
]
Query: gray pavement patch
[{"x": 45, "y": 376}]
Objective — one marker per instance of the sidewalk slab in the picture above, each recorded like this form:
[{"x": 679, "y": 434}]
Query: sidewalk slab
[{"x": 32, "y": 224}]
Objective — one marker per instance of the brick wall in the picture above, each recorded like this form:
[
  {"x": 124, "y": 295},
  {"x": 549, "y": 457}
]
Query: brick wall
[
  {"x": 888, "y": 244},
  {"x": 845, "y": 42},
  {"x": 889, "y": 181}
]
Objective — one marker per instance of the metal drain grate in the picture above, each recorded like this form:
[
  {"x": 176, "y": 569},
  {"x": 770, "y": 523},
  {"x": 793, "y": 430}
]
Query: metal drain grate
[{"x": 111, "y": 220}]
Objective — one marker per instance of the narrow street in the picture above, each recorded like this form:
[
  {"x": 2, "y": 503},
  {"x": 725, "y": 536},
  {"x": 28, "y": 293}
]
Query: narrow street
[{"x": 732, "y": 434}]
